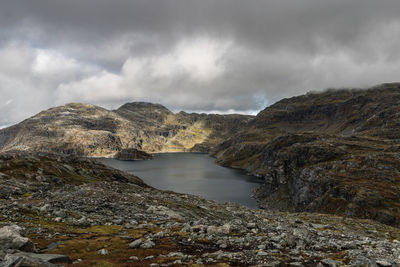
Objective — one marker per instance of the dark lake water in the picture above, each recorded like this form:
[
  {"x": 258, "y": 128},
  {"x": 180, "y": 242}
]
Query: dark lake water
[{"x": 192, "y": 173}]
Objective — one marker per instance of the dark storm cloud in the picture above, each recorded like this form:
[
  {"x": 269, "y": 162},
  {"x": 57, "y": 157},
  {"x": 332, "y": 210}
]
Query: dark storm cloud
[{"x": 211, "y": 55}]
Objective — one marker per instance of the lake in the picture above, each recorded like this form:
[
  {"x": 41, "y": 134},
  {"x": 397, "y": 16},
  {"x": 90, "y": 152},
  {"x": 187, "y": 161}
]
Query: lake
[{"x": 192, "y": 173}]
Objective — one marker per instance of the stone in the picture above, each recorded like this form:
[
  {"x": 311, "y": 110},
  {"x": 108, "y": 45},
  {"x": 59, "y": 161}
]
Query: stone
[
  {"x": 51, "y": 258},
  {"x": 251, "y": 225},
  {"x": 383, "y": 263},
  {"x": 224, "y": 229},
  {"x": 136, "y": 243},
  {"x": 82, "y": 222},
  {"x": 103, "y": 252},
  {"x": 11, "y": 238},
  {"x": 330, "y": 262},
  {"x": 11, "y": 260},
  {"x": 262, "y": 253},
  {"x": 45, "y": 208},
  {"x": 161, "y": 210},
  {"x": 60, "y": 213},
  {"x": 147, "y": 244}
]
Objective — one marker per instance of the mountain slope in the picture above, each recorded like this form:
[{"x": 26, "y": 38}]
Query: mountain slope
[
  {"x": 335, "y": 152},
  {"x": 100, "y": 216},
  {"x": 89, "y": 130}
]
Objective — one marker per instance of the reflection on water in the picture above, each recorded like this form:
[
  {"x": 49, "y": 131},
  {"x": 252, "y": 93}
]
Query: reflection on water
[{"x": 192, "y": 173}]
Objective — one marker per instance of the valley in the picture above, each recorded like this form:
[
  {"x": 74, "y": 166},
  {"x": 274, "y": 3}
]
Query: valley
[{"x": 330, "y": 194}]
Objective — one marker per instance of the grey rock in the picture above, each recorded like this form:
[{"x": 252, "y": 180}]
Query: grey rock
[
  {"x": 383, "y": 263},
  {"x": 147, "y": 244},
  {"x": 25, "y": 260},
  {"x": 330, "y": 262},
  {"x": 103, "y": 252},
  {"x": 11, "y": 238},
  {"x": 51, "y": 258},
  {"x": 60, "y": 213},
  {"x": 136, "y": 243},
  {"x": 45, "y": 208}
]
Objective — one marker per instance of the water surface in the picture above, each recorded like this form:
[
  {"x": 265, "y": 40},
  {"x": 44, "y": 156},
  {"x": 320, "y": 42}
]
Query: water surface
[{"x": 192, "y": 173}]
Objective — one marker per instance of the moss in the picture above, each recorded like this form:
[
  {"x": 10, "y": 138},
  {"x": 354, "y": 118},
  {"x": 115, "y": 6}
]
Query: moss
[
  {"x": 27, "y": 195},
  {"x": 102, "y": 229}
]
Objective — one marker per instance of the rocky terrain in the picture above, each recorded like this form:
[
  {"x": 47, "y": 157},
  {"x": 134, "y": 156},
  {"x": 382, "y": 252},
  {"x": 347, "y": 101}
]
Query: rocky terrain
[
  {"x": 88, "y": 130},
  {"x": 132, "y": 154},
  {"x": 333, "y": 152},
  {"x": 65, "y": 210}
]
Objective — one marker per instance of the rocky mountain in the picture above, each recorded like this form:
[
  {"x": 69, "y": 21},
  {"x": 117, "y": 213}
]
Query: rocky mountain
[
  {"x": 60, "y": 209},
  {"x": 334, "y": 152},
  {"x": 88, "y": 130}
]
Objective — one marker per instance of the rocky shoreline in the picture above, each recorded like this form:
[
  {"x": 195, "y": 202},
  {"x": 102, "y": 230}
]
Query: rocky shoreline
[{"x": 99, "y": 216}]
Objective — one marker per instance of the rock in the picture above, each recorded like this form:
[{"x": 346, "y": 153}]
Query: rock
[
  {"x": 12, "y": 260},
  {"x": 251, "y": 225},
  {"x": 330, "y": 262},
  {"x": 45, "y": 208},
  {"x": 147, "y": 244},
  {"x": 262, "y": 253},
  {"x": 224, "y": 229},
  {"x": 103, "y": 252},
  {"x": 11, "y": 238},
  {"x": 51, "y": 258},
  {"x": 383, "y": 263},
  {"x": 133, "y": 258},
  {"x": 132, "y": 154},
  {"x": 60, "y": 213},
  {"x": 82, "y": 222},
  {"x": 161, "y": 210},
  {"x": 136, "y": 243}
]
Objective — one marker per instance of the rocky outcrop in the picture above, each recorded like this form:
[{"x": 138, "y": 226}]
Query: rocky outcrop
[
  {"x": 132, "y": 154},
  {"x": 88, "y": 130},
  {"x": 109, "y": 218},
  {"x": 334, "y": 152},
  {"x": 11, "y": 237},
  {"x": 17, "y": 250}
]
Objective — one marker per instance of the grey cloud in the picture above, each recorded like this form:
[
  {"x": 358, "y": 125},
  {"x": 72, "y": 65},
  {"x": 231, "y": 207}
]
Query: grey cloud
[{"x": 269, "y": 50}]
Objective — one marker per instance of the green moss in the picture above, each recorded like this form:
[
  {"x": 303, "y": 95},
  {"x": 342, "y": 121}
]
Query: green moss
[
  {"x": 101, "y": 229},
  {"x": 27, "y": 195}
]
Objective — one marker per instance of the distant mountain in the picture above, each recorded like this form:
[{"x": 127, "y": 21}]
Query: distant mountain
[
  {"x": 335, "y": 152},
  {"x": 90, "y": 130}
]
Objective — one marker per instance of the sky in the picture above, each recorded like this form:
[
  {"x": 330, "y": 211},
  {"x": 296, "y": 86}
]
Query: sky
[{"x": 195, "y": 55}]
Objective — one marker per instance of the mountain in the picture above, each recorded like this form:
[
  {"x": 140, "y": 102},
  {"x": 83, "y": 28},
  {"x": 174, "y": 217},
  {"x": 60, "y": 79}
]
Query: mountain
[
  {"x": 334, "y": 152},
  {"x": 90, "y": 130}
]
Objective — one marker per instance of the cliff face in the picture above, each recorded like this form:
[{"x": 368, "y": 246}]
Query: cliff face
[
  {"x": 89, "y": 130},
  {"x": 335, "y": 152}
]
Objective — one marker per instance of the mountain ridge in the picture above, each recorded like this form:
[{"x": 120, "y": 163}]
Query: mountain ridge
[
  {"x": 333, "y": 152},
  {"x": 89, "y": 130}
]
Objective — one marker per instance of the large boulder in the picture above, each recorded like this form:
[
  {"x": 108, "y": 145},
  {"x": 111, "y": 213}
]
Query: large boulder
[
  {"x": 12, "y": 237},
  {"x": 12, "y": 260},
  {"x": 34, "y": 260}
]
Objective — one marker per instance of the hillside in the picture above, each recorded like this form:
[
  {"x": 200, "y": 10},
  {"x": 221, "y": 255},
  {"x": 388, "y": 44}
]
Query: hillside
[
  {"x": 88, "y": 130},
  {"x": 334, "y": 152},
  {"x": 74, "y": 209}
]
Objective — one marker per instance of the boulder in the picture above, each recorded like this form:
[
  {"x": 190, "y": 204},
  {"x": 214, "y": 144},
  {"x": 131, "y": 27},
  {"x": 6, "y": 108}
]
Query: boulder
[{"x": 11, "y": 237}]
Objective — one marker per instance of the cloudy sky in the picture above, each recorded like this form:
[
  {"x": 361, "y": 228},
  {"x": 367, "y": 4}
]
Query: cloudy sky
[{"x": 193, "y": 55}]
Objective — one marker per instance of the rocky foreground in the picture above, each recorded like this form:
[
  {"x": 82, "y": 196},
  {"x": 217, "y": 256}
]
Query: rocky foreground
[{"x": 77, "y": 211}]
